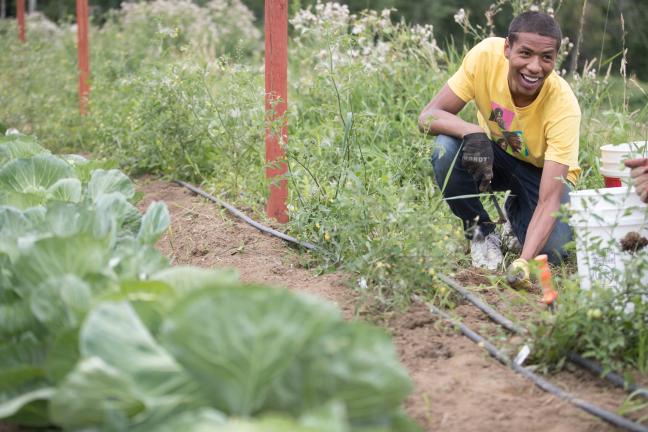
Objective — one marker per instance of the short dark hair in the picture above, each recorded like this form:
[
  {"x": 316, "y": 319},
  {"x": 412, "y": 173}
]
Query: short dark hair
[{"x": 535, "y": 22}]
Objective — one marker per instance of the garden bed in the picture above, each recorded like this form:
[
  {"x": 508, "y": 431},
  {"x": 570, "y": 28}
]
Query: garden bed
[{"x": 457, "y": 385}]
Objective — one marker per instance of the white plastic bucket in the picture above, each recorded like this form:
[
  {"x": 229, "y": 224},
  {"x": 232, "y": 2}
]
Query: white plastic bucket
[
  {"x": 614, "y": 172},
  {"x": 613, "y": 155},
  {"x": 601, "y": 218}
]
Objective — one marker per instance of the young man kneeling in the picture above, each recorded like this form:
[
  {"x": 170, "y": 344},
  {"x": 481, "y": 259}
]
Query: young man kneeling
[{"x": 525, "y": 140}]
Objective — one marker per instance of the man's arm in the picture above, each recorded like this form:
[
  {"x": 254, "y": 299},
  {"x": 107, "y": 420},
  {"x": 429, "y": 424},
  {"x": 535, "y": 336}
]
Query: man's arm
[
  {"x": 440, "y": 116},
  {"x": 542, "y": 222}
]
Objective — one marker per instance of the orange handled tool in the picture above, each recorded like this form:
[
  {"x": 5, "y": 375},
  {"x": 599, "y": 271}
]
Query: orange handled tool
[{"x": 549, "y": 294}]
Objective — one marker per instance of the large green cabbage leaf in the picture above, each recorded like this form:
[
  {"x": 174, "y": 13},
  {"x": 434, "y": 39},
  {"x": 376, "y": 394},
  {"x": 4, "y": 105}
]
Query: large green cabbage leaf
[
  {"x": 19, "y": 146},
  {"x": 61, "y": 301},
  {"x": 255, "y": 349},
  {"x": 26, "y": 183},
  {"x": 66, "y": 189},
  {"x": 13, "y": 225},
  {"x": 108, "y": 181},
  {"x": 124, "y": 374},
  {"x": 23, "y": 382},
  {"x": 155, "y": 222},
  {"x": 236, "y": 341},
  {"x": 78, "y": 255},
  {"x": 185, "y": 279}
]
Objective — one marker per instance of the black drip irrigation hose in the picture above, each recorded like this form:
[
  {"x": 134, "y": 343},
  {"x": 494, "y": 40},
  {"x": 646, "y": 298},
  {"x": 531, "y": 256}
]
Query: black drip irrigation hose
[
  {"x": 545, "y": 385},
  {"x": 542, "y": 383},
  {"x": 247, "y": 219},
  {"x": 492, "y": 313},
  {"x": 575, "y": 358},
  {"x": 612, "y": 377}
]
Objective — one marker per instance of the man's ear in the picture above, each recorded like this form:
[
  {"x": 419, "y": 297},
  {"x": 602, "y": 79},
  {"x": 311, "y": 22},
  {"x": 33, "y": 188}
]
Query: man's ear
[{"x": 507, "y": 48}]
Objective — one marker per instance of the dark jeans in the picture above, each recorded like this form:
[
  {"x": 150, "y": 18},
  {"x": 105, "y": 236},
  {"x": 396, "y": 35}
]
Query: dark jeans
[{"x": 509, "y": 173}]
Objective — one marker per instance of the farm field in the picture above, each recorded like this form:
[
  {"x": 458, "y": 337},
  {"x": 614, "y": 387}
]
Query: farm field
[
  {"x": 457, "y": 386},
  {"x": 129, "y": 303}
]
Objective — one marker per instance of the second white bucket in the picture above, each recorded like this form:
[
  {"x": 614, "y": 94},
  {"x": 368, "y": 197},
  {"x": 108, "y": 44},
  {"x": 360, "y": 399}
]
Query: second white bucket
[{"x": 613, "y": 155}]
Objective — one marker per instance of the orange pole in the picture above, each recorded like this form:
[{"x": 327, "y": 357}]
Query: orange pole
[
  {"x": 84, "y": 55},
  {"x": 276, "y": 103},
  {"x": 20, "y": 14}
]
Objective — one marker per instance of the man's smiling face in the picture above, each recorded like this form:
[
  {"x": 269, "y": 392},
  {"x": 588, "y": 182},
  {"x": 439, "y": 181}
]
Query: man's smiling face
[{"x": 532, "y": 58}]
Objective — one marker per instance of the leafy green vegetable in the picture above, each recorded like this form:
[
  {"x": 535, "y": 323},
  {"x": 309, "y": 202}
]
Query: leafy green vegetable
[
  {"x": 91, "y": 394},
  {"x": 67, "y": 189},
  {"x": 255, "y": 349},
  {"x": 20, "y": 386},
  {"x": 187, "y": 279},
  {"x": 33, "y": 175},
  {"x": 154, "y": 223},
  {"x": 99, "y": 333},
  {"x": 78, "y": 255},
  {"x": 19, "y": 146},
  {"x": 123, "y": 372},
  {"x": 236, "y": 341},
  {"x": 61, "y": 301},
  {"x": 104, "y": 182}
]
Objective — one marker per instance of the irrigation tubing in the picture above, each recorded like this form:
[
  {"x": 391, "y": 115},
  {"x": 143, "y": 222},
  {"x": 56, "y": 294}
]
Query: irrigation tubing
[
  {"x": 492, "y": 313},
  {"x": 247, "y": 219},
  {"x": 545, "y": 385},
  {"x": 590, "y": 365},
  {"x": 542, "y": 383}
]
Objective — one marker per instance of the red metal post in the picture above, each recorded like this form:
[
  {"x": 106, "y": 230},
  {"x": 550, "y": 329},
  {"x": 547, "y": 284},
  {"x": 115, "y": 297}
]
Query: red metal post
[
  {"x": 276, "y": 102},
  {"x": 84, "y": 55},
  {"x": 20, "y": 14}
]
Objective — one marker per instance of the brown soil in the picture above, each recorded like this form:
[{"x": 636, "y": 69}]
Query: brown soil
[{"x": 457, "y": 385}]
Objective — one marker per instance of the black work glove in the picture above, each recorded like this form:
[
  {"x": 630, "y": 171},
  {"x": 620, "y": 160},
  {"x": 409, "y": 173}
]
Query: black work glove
[{"x": 477, "y": 158}]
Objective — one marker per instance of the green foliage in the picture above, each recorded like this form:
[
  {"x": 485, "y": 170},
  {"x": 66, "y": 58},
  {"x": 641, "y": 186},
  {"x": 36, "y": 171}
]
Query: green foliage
[
  {"x": 98, "y": 332},
  {"x": 360, "y": 181},
  {"x": 599, "y": 323}
]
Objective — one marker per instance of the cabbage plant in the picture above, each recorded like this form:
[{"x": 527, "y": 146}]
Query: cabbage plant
[{"x": 99, "y": 333}]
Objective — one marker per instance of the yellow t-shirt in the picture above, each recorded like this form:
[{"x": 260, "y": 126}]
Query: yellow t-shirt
[{"x": 547, "y": 129}]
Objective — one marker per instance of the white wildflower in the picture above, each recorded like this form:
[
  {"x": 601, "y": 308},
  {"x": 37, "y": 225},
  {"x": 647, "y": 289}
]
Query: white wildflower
[
  {"x": 460, "y": 16},
  {"x": 534, "y": 8},
  {"x": 362, "y": 283}
]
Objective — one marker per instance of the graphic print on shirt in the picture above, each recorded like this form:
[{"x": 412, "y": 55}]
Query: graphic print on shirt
[{"x": 509, "y": 141}]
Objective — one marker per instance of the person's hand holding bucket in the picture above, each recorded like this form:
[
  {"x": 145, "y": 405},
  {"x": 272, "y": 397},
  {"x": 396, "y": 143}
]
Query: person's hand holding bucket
[{"x": 639, "y": 174}]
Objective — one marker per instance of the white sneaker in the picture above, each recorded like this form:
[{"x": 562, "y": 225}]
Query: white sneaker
[
  {"x": 509, "y": 238},
  {"x": 486, "y": 252}
]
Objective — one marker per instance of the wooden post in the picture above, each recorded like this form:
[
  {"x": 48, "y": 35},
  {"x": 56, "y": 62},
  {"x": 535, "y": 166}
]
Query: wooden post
[
  {"x": 276, "y": 102},
  {"x": 84, "y": 54},
  {"x": 20, "y": 14}
]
